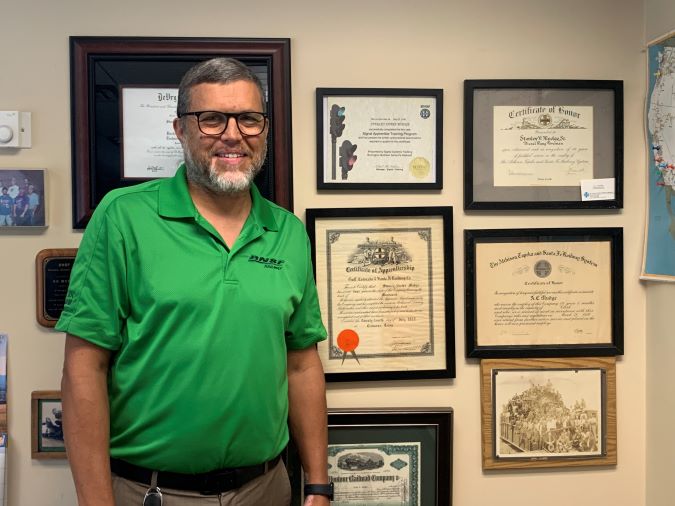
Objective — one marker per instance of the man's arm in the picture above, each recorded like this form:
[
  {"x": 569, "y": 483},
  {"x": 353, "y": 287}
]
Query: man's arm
[
  {"x": 86, "y": 421},
  {"x": 307, "y": 414}
]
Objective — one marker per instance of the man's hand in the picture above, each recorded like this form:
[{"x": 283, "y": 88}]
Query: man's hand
[{"x": 316, "y": 500}]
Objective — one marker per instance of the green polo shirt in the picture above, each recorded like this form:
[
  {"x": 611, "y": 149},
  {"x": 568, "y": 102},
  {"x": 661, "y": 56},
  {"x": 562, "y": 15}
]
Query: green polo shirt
[{"x": 199, "y": 332}]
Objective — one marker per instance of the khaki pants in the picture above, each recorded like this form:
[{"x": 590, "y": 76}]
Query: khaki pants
[{"x": 270, "y": 489}]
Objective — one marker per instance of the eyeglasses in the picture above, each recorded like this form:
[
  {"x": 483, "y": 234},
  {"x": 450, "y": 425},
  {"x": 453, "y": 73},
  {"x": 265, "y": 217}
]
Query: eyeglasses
[{"x": 215, "y": 122}]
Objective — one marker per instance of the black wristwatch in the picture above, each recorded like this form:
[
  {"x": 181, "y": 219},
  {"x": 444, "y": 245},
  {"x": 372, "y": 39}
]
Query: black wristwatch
[{"x": 323, "y": 489}]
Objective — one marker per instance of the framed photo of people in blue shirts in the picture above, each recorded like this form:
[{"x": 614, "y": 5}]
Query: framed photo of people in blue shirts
[{"x": 22, "y": 198}]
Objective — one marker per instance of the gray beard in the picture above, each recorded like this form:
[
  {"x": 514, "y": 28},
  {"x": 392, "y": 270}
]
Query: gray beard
[{"x": 201, "y": 175}]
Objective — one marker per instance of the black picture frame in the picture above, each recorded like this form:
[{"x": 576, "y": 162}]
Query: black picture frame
[
  {"x": 419, "y": 271},
  {"x": 100, "y": 65},
  {"x": 431, "y": 428},
  {"x": 545, "y": 302},
  {"x": 605, "y": 97},
  {"x": 429, "y": 172}
]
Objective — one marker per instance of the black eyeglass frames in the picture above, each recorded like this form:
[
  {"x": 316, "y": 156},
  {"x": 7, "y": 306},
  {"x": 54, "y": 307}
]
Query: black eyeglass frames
[{"x": 249, "y": 123}]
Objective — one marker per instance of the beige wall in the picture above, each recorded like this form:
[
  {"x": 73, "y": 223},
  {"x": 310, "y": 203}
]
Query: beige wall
[
  {"x": 366, "y": 43},
  {"x": 660, "y": 20}
]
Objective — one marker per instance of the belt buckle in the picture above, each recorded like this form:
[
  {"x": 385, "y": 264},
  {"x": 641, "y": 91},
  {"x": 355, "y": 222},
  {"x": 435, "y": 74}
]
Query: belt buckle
[{"x": 217, "y": 483}]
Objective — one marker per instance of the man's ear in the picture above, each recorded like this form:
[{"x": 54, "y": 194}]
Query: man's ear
[{"x": 178, "y": 129}]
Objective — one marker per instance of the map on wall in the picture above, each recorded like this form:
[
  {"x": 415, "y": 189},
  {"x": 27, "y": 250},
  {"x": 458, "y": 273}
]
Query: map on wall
[{"x": 659, "y": 255}]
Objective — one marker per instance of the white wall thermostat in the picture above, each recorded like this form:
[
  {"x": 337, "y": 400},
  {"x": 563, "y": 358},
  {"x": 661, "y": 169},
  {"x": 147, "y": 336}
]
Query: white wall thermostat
[{"x": 15, "y": 129}]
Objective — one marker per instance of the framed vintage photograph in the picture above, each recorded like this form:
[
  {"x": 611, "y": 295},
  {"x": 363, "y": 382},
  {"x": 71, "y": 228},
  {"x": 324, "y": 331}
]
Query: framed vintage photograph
[
  {"x": 548, "y": 292},
  {"x": 47, "y": 425},
  {"x": 548, "y": 412},
  {"x": 386, "y": 456},
  {"x": 123, "y": 99},
  {"x": 385, "y": 283},
  {"x": 379, "y": 138},
  {"x": 23, "y": 199},
  {"x": 543, "y": 144},
  {"x": 52, "y": 275}
]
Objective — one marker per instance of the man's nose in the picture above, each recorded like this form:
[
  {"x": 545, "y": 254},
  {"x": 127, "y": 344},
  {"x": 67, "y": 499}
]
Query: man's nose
[{"x": 231, "y": 129}]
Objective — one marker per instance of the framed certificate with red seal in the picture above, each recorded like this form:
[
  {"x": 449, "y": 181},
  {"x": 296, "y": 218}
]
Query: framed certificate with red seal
[{"x": 385, "y": 280}]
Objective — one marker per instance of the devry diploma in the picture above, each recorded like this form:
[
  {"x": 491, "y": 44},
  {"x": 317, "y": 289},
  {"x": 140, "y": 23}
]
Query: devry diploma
[{"x": 150, "y": 146}]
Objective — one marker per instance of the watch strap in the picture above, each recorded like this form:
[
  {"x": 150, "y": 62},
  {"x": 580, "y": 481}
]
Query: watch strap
[{"x": 320, "y": 489}]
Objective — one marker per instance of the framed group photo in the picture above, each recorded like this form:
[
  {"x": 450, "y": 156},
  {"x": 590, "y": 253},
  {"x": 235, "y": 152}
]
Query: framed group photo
[
  {"x": 544, "y": 292},
  {"x": 124, "y": 95},
  {"x": 543, "y": 144},
  {"x": 385, "y": 283},
  {"x": 23, "y": 198},
  {"x": 379, "y": 138},
  {"x": 548, "y": 412},
  {"x": 47, "y": 425},
  {"x": 387, "y": 456}
]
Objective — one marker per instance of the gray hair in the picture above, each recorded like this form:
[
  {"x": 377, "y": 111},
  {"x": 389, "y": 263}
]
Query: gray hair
[{"x": 216, "y": 70}]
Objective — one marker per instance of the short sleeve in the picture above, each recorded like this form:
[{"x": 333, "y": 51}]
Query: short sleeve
[
  {"x": 97, "y": 303},
  {"x": 305, "y": 327}
]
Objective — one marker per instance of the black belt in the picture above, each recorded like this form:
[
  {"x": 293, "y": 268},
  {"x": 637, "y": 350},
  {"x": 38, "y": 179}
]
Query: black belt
[{"x": 211, "y": 483}]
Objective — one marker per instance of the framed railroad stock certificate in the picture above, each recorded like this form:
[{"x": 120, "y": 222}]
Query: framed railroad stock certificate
[
  {"x": 543, "y": 144},
  {"x": 379, "y": 138},
  {"x": 386, "y": 457},
  {"x": 385, "y": 280},
  {"x": 544, "y": 292},
  {"x": 548, "y": 412}
]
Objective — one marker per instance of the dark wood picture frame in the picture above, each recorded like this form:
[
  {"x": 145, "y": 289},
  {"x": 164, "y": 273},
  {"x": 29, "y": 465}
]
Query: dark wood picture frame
[
  {"x": 38, "y": 450},
  {"x": 432, "y": 428},
  {"x": 52, "y": 274},
  {"x": 480, "y": 96},
  {"x": 435, "y": 95},
  {"x": 567, "y": 346},
  {"x": 162, "y": 60},
  {"x": 416, "y": 237},
  {"x": 544, "y": 447}
]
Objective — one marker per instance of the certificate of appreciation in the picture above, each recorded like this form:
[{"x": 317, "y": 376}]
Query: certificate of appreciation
[
  {"x": 545, "y": 145},
  {"x": 383, "y": 138},
  {"x": 150, "y": 146},
  {"x": 381, "y": 283},
  {"x": 375, "y": 474},
  {"x": 541, "y": 293}
]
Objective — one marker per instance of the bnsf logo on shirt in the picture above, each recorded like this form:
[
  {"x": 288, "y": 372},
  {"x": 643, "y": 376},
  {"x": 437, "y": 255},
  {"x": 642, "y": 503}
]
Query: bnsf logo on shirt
[{"x": 269, "y": 263}]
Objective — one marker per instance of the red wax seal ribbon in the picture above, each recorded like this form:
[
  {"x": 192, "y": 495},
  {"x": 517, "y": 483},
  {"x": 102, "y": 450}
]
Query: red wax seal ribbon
[{"x": 347, "y": 341}]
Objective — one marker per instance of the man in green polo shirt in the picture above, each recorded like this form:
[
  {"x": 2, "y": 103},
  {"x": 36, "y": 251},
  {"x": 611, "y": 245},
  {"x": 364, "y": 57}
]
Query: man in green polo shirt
[{"x": 192, "y": 317}]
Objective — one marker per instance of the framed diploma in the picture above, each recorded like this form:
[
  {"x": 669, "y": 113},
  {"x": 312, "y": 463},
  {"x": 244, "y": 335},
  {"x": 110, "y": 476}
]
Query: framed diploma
[
  {"x": 386, "y": 456},
  {"x": 385, "y": 282},
  {"x": 379, "y": 139},
  {"x": 544, "y": 292},
  {"x": 543, "y": 144},
  {"x": 548, "y": 412},
  {"x": 150, "y": 147},
  {"x": 47, "y": 425},
  {"x": 123, "y": 100},
  {"x": 52, "y": 274}
]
